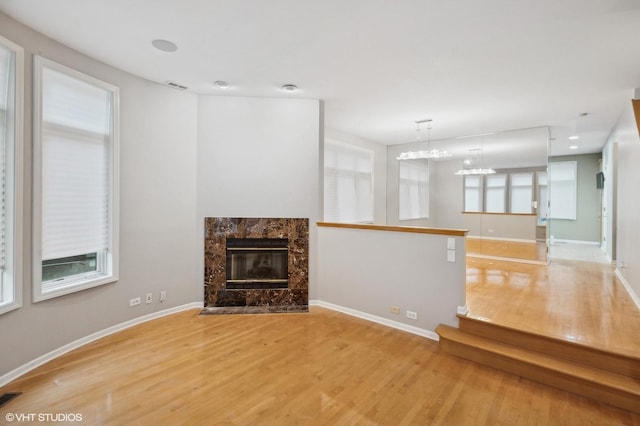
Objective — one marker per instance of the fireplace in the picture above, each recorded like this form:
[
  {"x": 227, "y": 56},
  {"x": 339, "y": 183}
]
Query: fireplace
[{"x": 257, "y": 263}]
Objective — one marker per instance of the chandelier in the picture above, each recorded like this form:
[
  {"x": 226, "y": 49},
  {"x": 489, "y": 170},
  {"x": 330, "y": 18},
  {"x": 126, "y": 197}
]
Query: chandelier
[
  {"x": 472, "y": 166},
  {"x": 427, "y": 153}
]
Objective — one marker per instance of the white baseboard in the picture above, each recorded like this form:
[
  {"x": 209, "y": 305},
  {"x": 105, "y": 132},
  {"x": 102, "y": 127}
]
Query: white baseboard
[
  {"x": 374, "y": 318},
  {"x": 508, "y": 259},
  {"x": 589, "y": 243},
  {"x": 463, "y": 310},
  {"x": 513, "y": 240},
  {"x": 25, "y": 368},
  {"x": 627, "y": 286}
]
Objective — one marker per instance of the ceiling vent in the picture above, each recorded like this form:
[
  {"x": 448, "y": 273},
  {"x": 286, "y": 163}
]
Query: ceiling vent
[{"x": 176, "y": 85}]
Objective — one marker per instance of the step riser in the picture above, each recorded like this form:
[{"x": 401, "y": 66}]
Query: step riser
[
  {"x": 581, "y": 354},
  {"x": 579, "y": 386}
]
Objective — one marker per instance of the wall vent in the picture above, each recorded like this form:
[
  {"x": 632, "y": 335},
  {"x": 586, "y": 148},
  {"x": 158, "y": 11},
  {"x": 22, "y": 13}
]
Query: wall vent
[
  {"x": 176, "y": 85},
  {"x": 5, "y": 398}
]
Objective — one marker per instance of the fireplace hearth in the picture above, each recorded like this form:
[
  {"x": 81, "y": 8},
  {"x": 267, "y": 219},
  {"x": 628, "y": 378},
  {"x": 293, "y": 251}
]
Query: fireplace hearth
[{"x": 256, "y": 265}]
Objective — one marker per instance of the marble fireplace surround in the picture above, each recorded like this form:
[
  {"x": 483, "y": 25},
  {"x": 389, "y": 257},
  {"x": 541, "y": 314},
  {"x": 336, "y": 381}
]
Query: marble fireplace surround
[{"x": 220, "y": 300}]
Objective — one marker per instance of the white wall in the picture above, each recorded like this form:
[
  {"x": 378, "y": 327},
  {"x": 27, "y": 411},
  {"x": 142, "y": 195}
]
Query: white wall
[
  {"x": 259, "y": 157},
  {"x": 628, "y": 202},
  {"x": 446, "y": 194},
  {"x": 609, "y": 199},
  {"x": 369, "y": 271},
  {"x": 157, "y": 211},
  {"x": 501, "y": 226},
  {"x": 379, "y": 170}
]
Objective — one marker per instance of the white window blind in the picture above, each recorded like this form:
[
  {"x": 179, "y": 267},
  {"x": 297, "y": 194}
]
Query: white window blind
[
  {"x": 348, "y": 184},
  {"x": 413, "y": 189},
  {"x": 472, "y": 193},
  {"x": 521, "y": 189},
  {"x": 76, "y": 134},
  {"x": 563, "y": 190},
  {"x": 495, "y": 193}
]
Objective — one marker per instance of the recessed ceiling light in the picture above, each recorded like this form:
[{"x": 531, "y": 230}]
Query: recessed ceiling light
[
  {"x": 289, "y": 87},
  {"x": 222, "y": 84},
  {"x": 164, "y": 45},
  {"x": 574, "y": 137},
  {"x": 573, "y": 147}
]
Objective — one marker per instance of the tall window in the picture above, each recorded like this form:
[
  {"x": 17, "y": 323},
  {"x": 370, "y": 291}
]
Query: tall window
[
  {"x": 473, "y": 193},
  {"x": 521, "y": 197},
  {"x": 75, "y": 232},
  {"x": 414, "y": 189},
  {"x": 348, "y": 184},
  {"x": 11, "y": 88},
  {"x": 563, "y": 190},
  {"x": 495, "y": 193}
]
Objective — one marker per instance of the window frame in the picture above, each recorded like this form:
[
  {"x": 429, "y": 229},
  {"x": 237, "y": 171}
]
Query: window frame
[
  {"x": 11, "y": 277},
  {"x": 542, "y": 197},
  {"x": 110, "y": 259}
]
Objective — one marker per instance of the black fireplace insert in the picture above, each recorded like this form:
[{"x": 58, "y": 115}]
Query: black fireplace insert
[{"x": 257, "y": 263}]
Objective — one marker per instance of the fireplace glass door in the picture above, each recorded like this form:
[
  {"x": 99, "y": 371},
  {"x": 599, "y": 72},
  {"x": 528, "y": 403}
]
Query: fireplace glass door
[{"x": 257, "y": 263}]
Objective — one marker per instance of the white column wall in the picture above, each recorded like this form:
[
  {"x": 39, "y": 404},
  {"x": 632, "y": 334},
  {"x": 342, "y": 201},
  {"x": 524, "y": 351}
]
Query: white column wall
[{"x": 259, "y": 157}]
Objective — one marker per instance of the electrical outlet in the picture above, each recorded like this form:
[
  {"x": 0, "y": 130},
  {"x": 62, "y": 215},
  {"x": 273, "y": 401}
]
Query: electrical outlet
[
  {"x": 412, "y": 315},
  {"x": 134, "y": 302},
  {"x": 148, "y": 298},
  {"x": 394, "y": 310},
  {"x": 163, "y": 295}
]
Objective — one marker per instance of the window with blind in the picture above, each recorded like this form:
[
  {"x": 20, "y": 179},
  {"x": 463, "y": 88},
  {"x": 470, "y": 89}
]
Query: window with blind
[
  {"x": 521, "y": 188},
  {"x": 495, "y": 193},
  {"x": 473, "y": 193},
  {"x": 11, "y": 89},
  {"x": 413, "y": 189},
  {"x": 75, "y": 238},
  {"x": 348, "y": 184},
  {"x": 563, "y": 190}
]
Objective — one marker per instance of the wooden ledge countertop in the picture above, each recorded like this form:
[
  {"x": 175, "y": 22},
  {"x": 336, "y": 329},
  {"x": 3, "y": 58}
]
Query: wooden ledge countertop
[{"x": 412, "y": 229}]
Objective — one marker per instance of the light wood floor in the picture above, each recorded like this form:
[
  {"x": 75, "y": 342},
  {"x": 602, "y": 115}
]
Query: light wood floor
[
  {"x": 320, "y": 368},
  {"x": 578, "y": 301},
  {"x": 327, "y": 368},
  {"x": 533, "y": 251}
]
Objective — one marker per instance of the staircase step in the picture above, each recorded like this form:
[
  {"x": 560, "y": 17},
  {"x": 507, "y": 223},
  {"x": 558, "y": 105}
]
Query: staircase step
[
  {"x": 604, "y": 386},
  {"x": 619, "y": 363}
]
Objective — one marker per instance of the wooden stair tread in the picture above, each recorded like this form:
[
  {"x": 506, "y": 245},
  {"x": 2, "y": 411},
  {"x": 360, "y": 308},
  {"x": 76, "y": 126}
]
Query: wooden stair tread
[
  {"x": 591, "y": 347},
  {"x": 575, "y": 352},
  {"x": 561, "y": 366}
]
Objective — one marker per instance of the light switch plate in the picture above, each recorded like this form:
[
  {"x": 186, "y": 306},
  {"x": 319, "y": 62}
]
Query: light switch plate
[{"x": 451, "y": 243}]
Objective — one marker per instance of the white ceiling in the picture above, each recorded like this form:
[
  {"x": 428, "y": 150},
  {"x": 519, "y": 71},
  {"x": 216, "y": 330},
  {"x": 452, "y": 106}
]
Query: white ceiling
[{"x": 472, "y": 66}]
